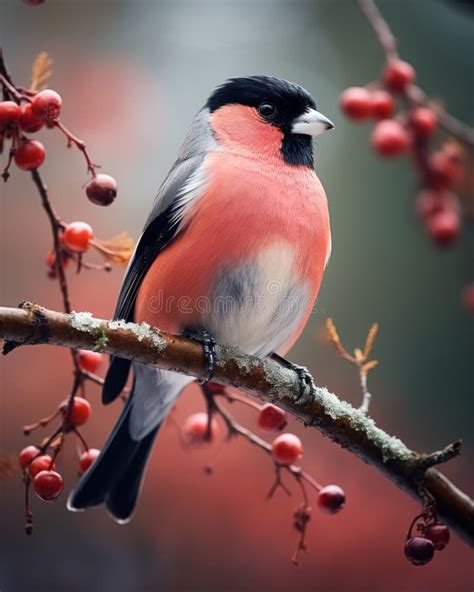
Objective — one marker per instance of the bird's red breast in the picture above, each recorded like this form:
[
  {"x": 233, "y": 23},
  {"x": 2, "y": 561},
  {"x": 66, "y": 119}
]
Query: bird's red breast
[{"x": 254, "y": 210}]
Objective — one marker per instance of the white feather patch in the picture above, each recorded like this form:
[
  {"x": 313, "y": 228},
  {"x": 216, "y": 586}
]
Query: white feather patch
[
  {"x": 191, "y": 190},
  {"x": 155, "y": 392},
  {"x": 264, "y": 302}
]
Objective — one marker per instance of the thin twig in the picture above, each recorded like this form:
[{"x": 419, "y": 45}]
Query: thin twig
[
  {"x": 388, "y": 43},
  {"x": 80, "y": 144},
  {"x": 236, "y": 428},
  {"x": 56, "y": 228},
  {"x": 366, "y": 396}
]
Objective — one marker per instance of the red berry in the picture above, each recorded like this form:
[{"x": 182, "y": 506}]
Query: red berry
[
  {"x": 390, "y": 138},
  {"x": 80, "y": 410},
  {"x": 46, "y": 105},
  {"x": 438, "y": 534},
  {"x": 287, "y": 449},
  {"x": 428, "y": 202},
  {"x": 419, "y": 550},
  {"x": 89, "y": 361},
  {"x": 398, "y": 75},
  {"x": 356, "y": 103},
  {"x": 468, "y": 298},
  {"x": 331, "y": 498},
  {"x": 48, "y": 485},
  {"x": 29, "y": 155},
  {"x": 28, "y": 121},
  {"x": 27, "y": 455},
  {"x": 446, "y": 169},
  {"x": 41, "y": 463},
  {"x": 272, "y": 418},
  {"x": 423, "y": 121},
  {"x": 383, "y": 105},
  {"x": 87, "y": 458},
  {"x": 444, "y": 227},
  {"x": 101, "y": 190},
  {"x": 195, "y": 429},
  {"x": 9, "y": 112},
  {"x": 77, "y": 236}
]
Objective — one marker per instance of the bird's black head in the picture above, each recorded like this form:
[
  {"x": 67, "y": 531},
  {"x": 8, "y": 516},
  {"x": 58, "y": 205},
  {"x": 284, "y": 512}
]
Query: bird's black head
[{"x": 281, "y": 104}]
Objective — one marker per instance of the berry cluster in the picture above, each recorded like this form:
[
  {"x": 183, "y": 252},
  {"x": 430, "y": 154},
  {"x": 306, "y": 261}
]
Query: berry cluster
[
  {"x": 27, "y": 112},
  {"x": 24, "y": 112},
  {"x": 39, "y": 462},
  {"x": 286, "y": 450},
  {"x": 406, "y": 125},
  {"x": 432, "y": 536}
]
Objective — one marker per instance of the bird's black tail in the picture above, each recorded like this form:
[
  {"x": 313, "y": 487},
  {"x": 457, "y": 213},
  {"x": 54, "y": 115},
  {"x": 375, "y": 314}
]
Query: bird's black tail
[{"x": 115, "y": 477}]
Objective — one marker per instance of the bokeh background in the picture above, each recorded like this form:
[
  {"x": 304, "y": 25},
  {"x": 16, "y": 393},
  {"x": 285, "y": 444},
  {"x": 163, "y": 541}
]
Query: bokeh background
[{"x": 132, "y": 74}]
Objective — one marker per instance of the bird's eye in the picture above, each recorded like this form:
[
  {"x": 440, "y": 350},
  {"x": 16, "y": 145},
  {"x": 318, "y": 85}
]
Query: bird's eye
[{"x": 267, "y": 109}]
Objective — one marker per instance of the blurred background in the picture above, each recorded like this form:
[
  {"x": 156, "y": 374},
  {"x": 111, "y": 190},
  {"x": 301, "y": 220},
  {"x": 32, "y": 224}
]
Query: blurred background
[{"x": 132, "y": 74}]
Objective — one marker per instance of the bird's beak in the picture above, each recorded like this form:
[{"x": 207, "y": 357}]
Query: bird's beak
[{"x": 311, "y": 123}]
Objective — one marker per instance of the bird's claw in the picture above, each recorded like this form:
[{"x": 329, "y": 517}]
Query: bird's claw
[
  {"x": 208, "y": 344},
  {"x": 306, "y": 382}
]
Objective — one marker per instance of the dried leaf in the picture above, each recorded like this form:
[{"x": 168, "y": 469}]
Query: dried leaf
[
  {"x": 41, "y": 71},
  {"x": 44, "y": 441},
  {"x": 57, "y": 442},
  {"x": 118, "y": 249},
  {"x": 369, "y": 343},
  {"x": 369, "y": 366},
  {"x": 335, "y": 340}
]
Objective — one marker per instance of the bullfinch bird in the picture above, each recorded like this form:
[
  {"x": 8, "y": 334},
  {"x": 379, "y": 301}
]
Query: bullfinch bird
[{"x": 233, "y": 250}]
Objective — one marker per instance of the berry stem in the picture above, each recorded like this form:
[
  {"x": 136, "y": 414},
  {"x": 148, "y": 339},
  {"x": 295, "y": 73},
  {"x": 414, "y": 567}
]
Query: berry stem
[
  {"x": 11, "y": 154},
  {"x": 81, "y": 438},
  {"x": 388, "y": 43},
  {"x": 80, "y": 144},
  {"x": 236, "y": 429},
  {"x": 46, "y": 444},
  {"x": 231, "y": 397},
  {"x": 27, "y": 429},
  {"x": 12, "y": 91},
  {"x": 57, "y": 450},
  {"x": 381, "y": 29},
  {"x": 28, "y": 512}
]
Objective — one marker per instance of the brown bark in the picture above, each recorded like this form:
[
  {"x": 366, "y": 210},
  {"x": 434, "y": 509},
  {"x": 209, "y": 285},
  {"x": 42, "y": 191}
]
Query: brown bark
[{"x": 265, "y": 379}]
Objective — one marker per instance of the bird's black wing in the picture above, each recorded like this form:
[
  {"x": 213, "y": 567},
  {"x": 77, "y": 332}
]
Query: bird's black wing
[
  {"x": 161, "y": 228},
  {"x": 174, "y": 196}
]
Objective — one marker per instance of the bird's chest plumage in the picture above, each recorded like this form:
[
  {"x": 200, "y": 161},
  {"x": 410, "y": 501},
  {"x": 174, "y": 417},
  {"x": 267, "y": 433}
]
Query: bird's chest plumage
[{"x": 249, "y": 261}]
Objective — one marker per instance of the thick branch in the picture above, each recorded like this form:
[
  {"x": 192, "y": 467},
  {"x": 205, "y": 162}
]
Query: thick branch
[{"x": 265, "y": 379}]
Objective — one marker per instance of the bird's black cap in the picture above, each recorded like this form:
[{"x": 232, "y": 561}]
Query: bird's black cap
[{"x": 288, "y": 100}]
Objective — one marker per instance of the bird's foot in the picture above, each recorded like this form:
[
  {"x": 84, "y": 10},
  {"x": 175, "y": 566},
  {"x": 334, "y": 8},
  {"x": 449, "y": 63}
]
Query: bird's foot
[
  {"x": 208, "y": 344},
  {"x": 307, "y": 386},
  {"x": 306, "y": 381}
]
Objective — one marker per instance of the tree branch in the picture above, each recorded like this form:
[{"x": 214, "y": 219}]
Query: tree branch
[
  {"x": 388, "y": 44},
  {"x": 265, "y": 379}
]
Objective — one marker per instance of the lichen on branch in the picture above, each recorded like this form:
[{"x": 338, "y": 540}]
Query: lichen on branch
[{"x": 265, "y": 379}]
